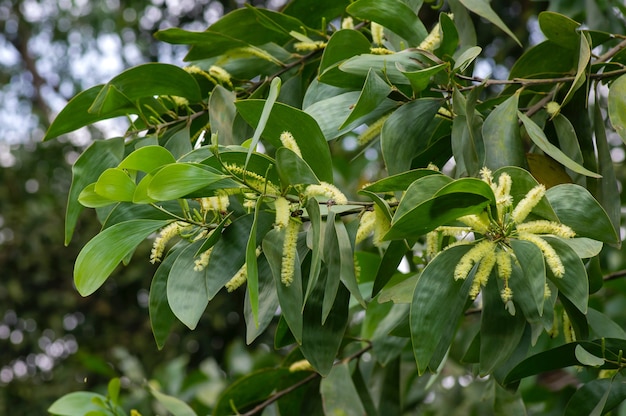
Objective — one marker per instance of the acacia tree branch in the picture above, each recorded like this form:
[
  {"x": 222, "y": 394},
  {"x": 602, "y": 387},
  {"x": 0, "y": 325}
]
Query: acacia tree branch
[{"x": 614, "y": 275}]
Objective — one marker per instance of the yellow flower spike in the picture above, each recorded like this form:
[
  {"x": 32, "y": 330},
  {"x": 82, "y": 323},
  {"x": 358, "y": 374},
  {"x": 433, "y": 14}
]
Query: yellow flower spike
[
  {"x": 546, "y": 227},
  {"x": 167, "y": 233},
  {"x": 568, "y": 329},
  {"x": 552, "y": 259},
  {"x": 283, "y": 212},
  {"x": 309, "y": 46},
  {"x": 201, "y": 262},
  {"x": 473, "y": 256},
  {"x": 485, "y": 267},
  {"x": 526, "y": 205},
  {"x": 240, "y": 277},
  {"x": 302, "y": 365},
  {"x": 506, "y": 294},
  {"x": 546, "y": 291},
  {"x": 486, "y": 175},
  {"x": 479, "y": 223},
  {"x": 381, "y": 51},
  {"x": 372, "y": 131},
  {"x": 432, "y": 41},
  {"x": 258, "y": 182},
  {"x": 381, "y": 226},
  {"x": 377, "y": 33},
  {"x": 286, "y": 138},
  {"x": 326, "y": 190},
  {"x": 288, "y": 262},
  {"x": 220, "y": 74},
  {"x": 366, "y": 226},
  {"x": 347, "y": 23},
  {"x": 503, "y": 260},
  {"x": 432, "y": 244}
]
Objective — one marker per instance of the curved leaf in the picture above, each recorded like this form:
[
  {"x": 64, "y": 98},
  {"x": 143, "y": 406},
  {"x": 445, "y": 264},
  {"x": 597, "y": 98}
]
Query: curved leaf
[
  {"x": 339, "y": 394},
  {"x": 180, "y": 179},
  {"x": 147, "y": 159},
  {"x": 617, "y": 106},
  {"x": 101, "y": 255},
  {"x": 116, "y": 185},
  {"x": 501, "y": 136},
  {"x": 293, "y": 170},
  {"x": 78, "y": 403},
  {"x": 483, "y": 9},
  {"x": 574, "y": 284}
]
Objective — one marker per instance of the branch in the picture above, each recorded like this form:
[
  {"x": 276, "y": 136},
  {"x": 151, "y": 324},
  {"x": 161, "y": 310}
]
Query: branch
[{"x": 614, "y": 275}]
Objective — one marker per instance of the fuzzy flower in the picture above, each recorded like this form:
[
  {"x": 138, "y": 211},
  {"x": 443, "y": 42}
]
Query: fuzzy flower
[
  {"x": 381, "y": 226},
  {"x": 546, "y": 227},
  {"x": 372, "y": 131},
  {"x": 218, "y": 203},
  {"x": 240, "y": 277},
  {"x": 546, "y": 291},
  {"x": 432, "y": 166},
  {"x": 503, "y": 260},
  {"x": 568, "y": 329},
  {"x": 552, "y": 258},
  {"x": 486, "y": 175},
  {"x": 502, "y": 193},
  {"x": 220, "y": 74},
  {"x": 482, "y": 272},
  {"x": 506, "y": 294},
  {"x": 302, "y": 365},
  {"x": 309, "y": 46},
  {"x": 432, "y": 41},
  {"x": 258, "y": 182},
  {"x": 366, "y": 226},
  {"x": 479, "y": 223},
  {"x": 526, "y": 205},
  {"x": 288, "y": 262},
  {"x": 167, "y": 233},
  {"x": 473, "y": 256},
  {"x": 377, "y": 33},
  {"x": 347, "y": 23},
  {"x": 201, "y": 262},
  {"x": 286, "y": 138},
  {"x": 327, "y": 190},
  {"x": 381, "y": 51},
  {"x": 283, "y": 211}
]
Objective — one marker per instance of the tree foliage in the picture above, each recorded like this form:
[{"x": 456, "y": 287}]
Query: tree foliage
[{"x": 498, "y": 194}]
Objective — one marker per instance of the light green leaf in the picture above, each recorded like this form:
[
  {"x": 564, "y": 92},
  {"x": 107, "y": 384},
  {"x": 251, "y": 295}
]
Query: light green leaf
[
  {"x": 394, "y": 15},
  {"x": 374, "y": 92},
  {"x": 99, "y": 156},
  {"x": 77, "y": 403},
  {"x": 265, "y": 115},
  {"x": 585, "y": 248},
  {"x": 586, "y": 358},
  {"x": 483, "y": 9},
  {"x": 437, "y": 306},
  {"x": 186, "y": 288},
  {"x": 400, "y": 181},
  {"x": 116, "y": 185},
  {"x": 147, "y": 159},
  {"x": 343, "y": 44},
  {"x": 292, "y": 169},
  {"x": 384, "y": 66},
  {"x": 180, "y": 179},
  {"x": 251, "y": 265},
  {"x": 402, "y": 137},
  {"x": 315, "y": 241},
  {"x": 584, "y": 56},
  {"x": 222, "y": 114},
  {"x": 501, "y": 136},
  {"x": 101, "y": 255},
  {"x": 420, "y": 79},
  {"x": 577, "y": 208},
  {"x": 466, "y": 58},
  {"x": 539, "y": 138},
  {"x": 339, "y": 395},
  {"x": 346, "y": 254},
  {"x": 173, "y": 405},
  {"x": 420, "y": 191},
  {"x": 560, "y": 29},
  {"x": 617, "y": 106},
  {"x": 91, "y": 199},
  {"x": 305, "y": 130},
  {"x": 113, "y": 390}
]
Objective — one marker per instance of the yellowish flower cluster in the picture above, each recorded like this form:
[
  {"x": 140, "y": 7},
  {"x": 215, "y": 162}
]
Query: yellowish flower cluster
[
  {"x": 218, "y": 203},
  {"x": 366, "y": 226},
  {"x": 258, "y": 182},
  {"x": 286, "y": 138},
  {"x": 347, "y": 23},
  {"x": 220, "y": 74},
  {"x": 378, "y": 33},
  {"x": 167, "y": 233},
  {"x": 283, "y": 212},
  {"x": 432, "y": 41},
  {"x": 309, "y": 46},
  {"x": 201, "y": 262},
  {"x": 381, "y": 51},
  {"x": 302, "y": 365},
  {"x": 288, "y": 262},
  {"x": 372, "y": 130},
  {"x": 492, "y": 248},
  {"x": 327, "y": 190},
  {"x": 240, "y": 277}
]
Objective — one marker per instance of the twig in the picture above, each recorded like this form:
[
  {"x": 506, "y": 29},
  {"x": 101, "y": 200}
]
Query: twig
[{"x": 614, "y": 275}]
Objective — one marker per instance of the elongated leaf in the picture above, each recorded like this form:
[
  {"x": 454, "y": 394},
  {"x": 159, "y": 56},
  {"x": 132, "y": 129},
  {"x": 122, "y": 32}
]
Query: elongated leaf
[
  {"x": 180, "y": 179},
  {"x": 617, "y": 106},
  {"x": 78, "y": 403},
  {"x": 173, "y": 405},
  {"x": 539, "y": 138},
  {"x": 101, "y": 255},
  {"x": 596, "y": 397},
  {"x": 293, "y": 170},
  {"x": 339, "y": 395},
  {"x": 346, "y": 254},
  {"x": 374, "y": 92},
  {"x": 332, "y": 261},
  {"x": 394, "y": 15},
  {"x": 399, "y": 181},
  {"x": 584, "y": 56},
  {"x": 147, "y": 159},
  {"x": 420, "y": 78},
  {"x": 99, "y": 156},
  {"x": 312, "y": 14},
  {"x": 386, "y": 66},
  {"x": 574, "y": 284},
  {"x": 529, "y": 286},
  {"x": 389, "y": 264},
  {"x": 116, "y": 185},
  {"x": 575, "y": 207},
  {"x": 268, "y": 303},
  {"x": 265, "y": 115},
  {"x": 501, "y": 136},
  {"x": 302, "y": 126},
  {"x": 161, "y": 315},
  {"x": 251, "y": 265},
  {"x": 91, "y": 199},
  {"x": 438, "y": 302},
  {"x": 483, "y": 9},
  {"x": 402, "y": 137},
  {"x": 568, "y": 140},
  {"x": 186, "y": 288},
  {"x": 420, "y": 191},
  {"x": 343, "y": 44}
]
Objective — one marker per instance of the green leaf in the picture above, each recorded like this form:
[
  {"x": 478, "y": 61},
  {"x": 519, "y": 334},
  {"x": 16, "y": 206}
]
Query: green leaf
[
  {"x": 577, "y": 208},
  {"x": 389, "y": 264},
  {"x": 222, "y": 112},
  {"x": 584, "y": 56},
  {"x": 311, "y": 14},
  {"x": 75, "y": 115},
  {"x": 420, "y": 79},
  {"x": 545, "y": 60},
  {"x": 483, "y": 9},
  {"x": 186, "y": 288},
  {"x": 568, "y": 140},
  {"x": 346, "y": 254},
  {"x": 420, "y": 191},
  {"x": 560, "y": 29},
  {"x": 466, "y": 58},
  {"x": 101, "y": 255},
  {"x": 268, "y": 302},
  {"x": 148, "y": 80},
  {"x": 373, "y": 94},
  {"x": 251, "y": 265},
  {"x": 77, "y": 403},
  {"x": 290, "y": 297},
  {"x": 586, "y": 358},
  {"x": 529, "y": 285},
  {"x": 161, "y": 316},
  {"x": 180, "y": 179},
  {"x": 394, "y": 15},
  {"x": 265, "y": 115},
  {"x": 292, "y": 169},
  {"x": 402, "y": 137},
  {"x": 315, "y": 240},
  {"x": 617, "y": 106},
  {"x": 339, "y": 395},
  {"x": 343, "y": 44},
  {"x": 306, "y": 132},
  {"x": 91, "y": 199},
  {"x": 437, "y": 306},
  {"x": 501, "y": 136},
  {"x": 574, "y": 284},
  {"x": 99, "y": 156},
  {"x": 597, "y": 397},
  {"x": 603, "y": 326},
  {"x": 113, "y": 390},
  {"x": 332, "y": 261},
  {"x": 399, "y": 181},
  {"x": 116, "y": 185},
  {"x": 147, "y": 159},
  {"x": 385, "y": 66},
  {"x": 539, "y": 138},
  {"x": 173, "y": 405}
]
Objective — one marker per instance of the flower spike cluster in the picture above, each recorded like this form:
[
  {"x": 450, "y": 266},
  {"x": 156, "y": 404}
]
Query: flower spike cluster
[{"x": 493, "y": 232}]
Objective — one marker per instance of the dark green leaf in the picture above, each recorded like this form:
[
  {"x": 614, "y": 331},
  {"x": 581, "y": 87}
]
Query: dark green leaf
[
  {"x": 483, "y": 9},
  {"x": 617, "y": 106},
  {"x": 251, "y": 265},
  {"x": 394, "y": 15},
  {"x": 346, "y": 254},
  {"x": 574, "y": 284},
  {"x": 292, "y": 169},
  {"x": 420, "y": 79},
  {"x": 311, "y": 14},
  {"x": 342, "y": 45},
  {"x": 332, "y": 261},
  {"x": 400, "y": 181},
  {"x": 101, "y": 255},
  {"x": 374, "y": 92},
  {"x": 268, "y": 303},
  {"x": 339, "y": 395},
  {"x": 560, "y": 29},
  {"x": 528, "y": 286},
  {"x": 264, "y": 117},
  {"x": 596, "y": 397},
  {"x": 389, "y": 264},
  {"x": 501, "y": 136},
  {"x": 161, "y": 316}
]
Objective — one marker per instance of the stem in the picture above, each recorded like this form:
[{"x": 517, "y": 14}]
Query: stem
[{"x": 614, "y": 275}]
